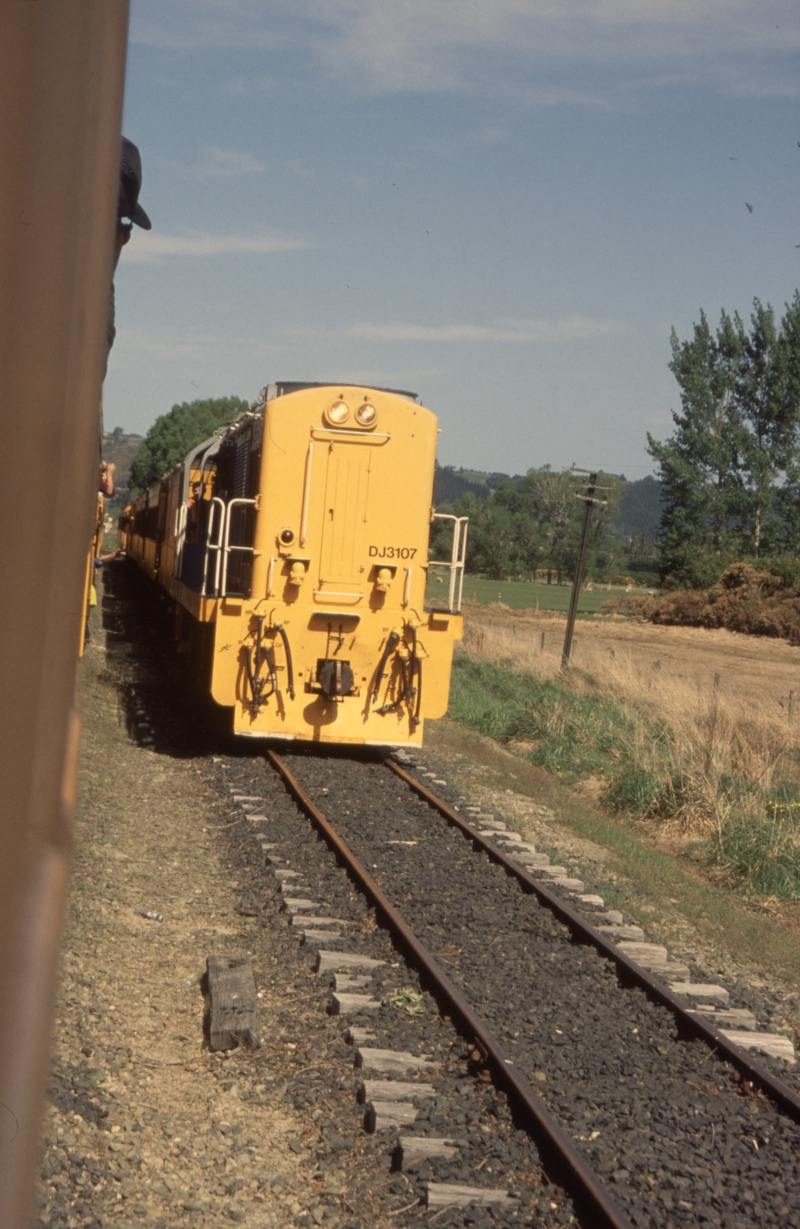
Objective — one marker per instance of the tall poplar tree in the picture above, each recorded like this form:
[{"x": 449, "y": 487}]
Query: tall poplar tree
[
  {"x": 700, "y": 466},
  {"x": 731, "y": 469},
  {"x": 769, "y": 416}
]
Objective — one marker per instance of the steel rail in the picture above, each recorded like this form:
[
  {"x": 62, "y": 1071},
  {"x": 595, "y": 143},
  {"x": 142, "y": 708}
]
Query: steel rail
[
  {"x": 561, "y": 1159},
  {"x": 755, "y": 1071}
]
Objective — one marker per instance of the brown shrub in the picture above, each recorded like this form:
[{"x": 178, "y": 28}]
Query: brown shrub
[
  {"x": 780, "y": 619},
  {"x": 683, "y": 606},
  {"x": 744, "y": 600}
]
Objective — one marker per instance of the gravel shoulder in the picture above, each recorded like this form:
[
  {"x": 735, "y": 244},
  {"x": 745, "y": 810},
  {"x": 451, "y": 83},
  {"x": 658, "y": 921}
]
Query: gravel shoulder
[
  {"x": 144, "y": 1126},
  {"x": 747, "y": 945}
]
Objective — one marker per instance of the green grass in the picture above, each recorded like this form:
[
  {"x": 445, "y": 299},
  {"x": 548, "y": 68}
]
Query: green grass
[
  {"x": 642, "y": 878},
  {"x": 519, "y": 594},
  {"x": 576, "y": 734}
]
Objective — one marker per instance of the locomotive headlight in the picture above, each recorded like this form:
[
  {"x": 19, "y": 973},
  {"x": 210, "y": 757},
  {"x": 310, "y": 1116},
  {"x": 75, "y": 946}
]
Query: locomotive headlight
[
  {"x": 338, "y": 413},
  {"x": 366, "y": 415}
]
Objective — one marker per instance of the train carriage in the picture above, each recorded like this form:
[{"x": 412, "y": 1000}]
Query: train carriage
[{"x": 294, "y": 546}]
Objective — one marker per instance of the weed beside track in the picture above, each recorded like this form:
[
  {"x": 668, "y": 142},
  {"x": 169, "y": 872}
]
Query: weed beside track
[{"x": 719, "y": 774}]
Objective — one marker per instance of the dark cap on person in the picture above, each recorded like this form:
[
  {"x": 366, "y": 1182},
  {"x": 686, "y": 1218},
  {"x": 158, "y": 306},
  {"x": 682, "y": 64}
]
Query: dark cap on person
[{"x": 130, "y": 184}]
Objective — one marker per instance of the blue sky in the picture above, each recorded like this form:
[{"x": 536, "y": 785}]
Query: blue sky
[{"x": 504, "y": 205}]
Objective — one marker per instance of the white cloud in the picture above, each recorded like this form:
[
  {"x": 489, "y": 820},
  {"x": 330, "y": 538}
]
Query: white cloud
[
  {"x": 440, "y": 45},
  {"x": 571, "y": 328},
  {"x": 487, "y": 134},
  {"x": 218, "y": 163},
  {"x": 153, "y": 248}
]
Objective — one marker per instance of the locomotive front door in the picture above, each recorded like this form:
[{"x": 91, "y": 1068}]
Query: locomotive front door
[{"x": 345, "y": 513}]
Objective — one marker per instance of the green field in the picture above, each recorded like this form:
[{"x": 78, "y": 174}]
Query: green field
[{"x": 520, "y": 594}]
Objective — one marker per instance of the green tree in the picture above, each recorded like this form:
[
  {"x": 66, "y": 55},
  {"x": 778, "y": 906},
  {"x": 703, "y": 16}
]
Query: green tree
[
  {"x": 787, "y": 367},
  {"x": 700, "y": 466},
  {"x": 769, "y": 414},
  {"x": 534, "y": 522},
  {"x": 731, "y": 470},
  {"x": 172, "y": 435}
]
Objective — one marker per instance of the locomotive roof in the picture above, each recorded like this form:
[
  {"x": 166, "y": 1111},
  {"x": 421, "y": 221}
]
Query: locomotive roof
[{"x": 283, "y": 389}]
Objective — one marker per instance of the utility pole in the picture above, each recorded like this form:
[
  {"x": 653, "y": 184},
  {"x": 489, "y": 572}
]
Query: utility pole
[{"x": 589, "y": 501}]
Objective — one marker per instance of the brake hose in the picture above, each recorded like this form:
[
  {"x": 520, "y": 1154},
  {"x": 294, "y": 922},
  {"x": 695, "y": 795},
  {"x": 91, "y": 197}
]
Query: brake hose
[
  {"x": 388, "y": 650},
  {"x": 280, "y": 629}
]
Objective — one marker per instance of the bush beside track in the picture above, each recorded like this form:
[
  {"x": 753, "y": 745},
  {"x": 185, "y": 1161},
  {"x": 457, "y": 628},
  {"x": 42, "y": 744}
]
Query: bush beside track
[
  {"x": 743, "y": 600},
  {"x": 724, "y": 792}
]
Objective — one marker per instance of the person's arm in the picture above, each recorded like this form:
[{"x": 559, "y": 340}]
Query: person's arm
[{"x": 107, "y": 479}]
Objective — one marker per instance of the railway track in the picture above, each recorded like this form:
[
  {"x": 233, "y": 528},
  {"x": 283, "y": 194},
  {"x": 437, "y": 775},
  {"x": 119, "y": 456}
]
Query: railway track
[{"x": 641, "y": 1111}]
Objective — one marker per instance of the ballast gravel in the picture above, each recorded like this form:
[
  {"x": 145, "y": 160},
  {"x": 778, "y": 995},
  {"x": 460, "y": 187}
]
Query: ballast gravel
[
  {"x": 492, "y": 1151},
  {"x": 660, "y": 1119}
]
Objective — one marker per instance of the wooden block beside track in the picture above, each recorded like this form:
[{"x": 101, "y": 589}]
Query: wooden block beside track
[
  {"x": 617, "y": 931},
  {"x": 330, "y": 962},
  {"x": 701, "y": 990},
  {"x": 774, "y": 1044},
  {"x": 645, "y": 954},
  {"x": 730, "y": 1017},
  {"x": 233, "y": 1014},
  {"x": 313, "y": 919},
  {"x": 321, "y": 936},
  {"x": 341, "y": 981},
  {"x": 390, "y": 1062},
  {"x": 359, "y": 1036},
  {"x": 413, "y": 1149},
  {"x": 347, "y": 1004},
  {"x": 392, "y": 1090},
  {"x": 451, "y": 1195},
  {"x": 669, "y": 972},
  {"x": 384, "y": 1115},
  {"x": 531, "y": 861}
]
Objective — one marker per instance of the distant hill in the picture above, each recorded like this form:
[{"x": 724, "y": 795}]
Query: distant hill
[
  {"x": 640, "y": 508},
  {"x": 121, "y": 449},
  {"x": 451, "y": 483}
]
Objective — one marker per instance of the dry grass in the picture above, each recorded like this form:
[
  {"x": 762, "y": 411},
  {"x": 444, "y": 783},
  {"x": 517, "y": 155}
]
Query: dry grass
[{"x": 702, "y": 762}]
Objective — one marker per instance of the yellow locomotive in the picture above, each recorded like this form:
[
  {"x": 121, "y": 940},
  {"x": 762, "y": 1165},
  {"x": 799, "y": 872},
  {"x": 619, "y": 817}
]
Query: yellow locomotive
[{"x": 294, "y": 546}]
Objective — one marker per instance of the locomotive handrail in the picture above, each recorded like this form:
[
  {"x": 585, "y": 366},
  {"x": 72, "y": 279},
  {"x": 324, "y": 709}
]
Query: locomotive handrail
[
  {"x": 180, "y": 534},
  {"x": 331, "y": 593},
  {"x": 458, "y": 559},
  {"x": 207, "y": 448},
  {"x": 358, "y": 437},
  {"x": 226, "y": 546},
  {"x": 306, "y": 492},
  {"x": 215, "y": 546}
]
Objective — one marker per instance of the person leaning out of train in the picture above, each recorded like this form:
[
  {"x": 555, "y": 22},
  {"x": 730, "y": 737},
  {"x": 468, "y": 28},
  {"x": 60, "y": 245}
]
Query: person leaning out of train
[
  {"x": 193, "y": 513},
  {"x": 107, "y": 471},
  {"x": 128, "y": 211}
]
